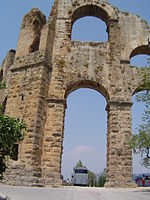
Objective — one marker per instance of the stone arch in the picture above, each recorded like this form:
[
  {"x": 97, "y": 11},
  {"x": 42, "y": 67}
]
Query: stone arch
[
  {"x": 140, "y": 88},
  {"x": 141, "y": 85},
  {"x": 102, "y": 11},
  {"x": 90, "y": 10},
  {"x": 143, "y": 49},
  {"x": 87, "y": 84}
]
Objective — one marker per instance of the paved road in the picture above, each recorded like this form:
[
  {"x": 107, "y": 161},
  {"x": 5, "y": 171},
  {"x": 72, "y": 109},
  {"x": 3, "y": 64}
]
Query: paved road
[{"x": 74, "y": 193}]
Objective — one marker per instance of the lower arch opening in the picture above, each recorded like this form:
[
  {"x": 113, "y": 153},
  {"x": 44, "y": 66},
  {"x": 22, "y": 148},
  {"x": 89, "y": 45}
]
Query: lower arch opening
[{"x": 85, "y": 132}]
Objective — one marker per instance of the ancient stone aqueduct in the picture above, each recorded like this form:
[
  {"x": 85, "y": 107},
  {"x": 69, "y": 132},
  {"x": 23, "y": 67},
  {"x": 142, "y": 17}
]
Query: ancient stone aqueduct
[{"x": 47, "y": 66}]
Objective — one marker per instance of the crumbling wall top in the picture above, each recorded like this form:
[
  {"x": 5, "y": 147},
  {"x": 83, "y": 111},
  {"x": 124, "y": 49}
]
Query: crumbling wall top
[
  {"x": 29, "y": 37},
  {"x": 35, "y": 18}
]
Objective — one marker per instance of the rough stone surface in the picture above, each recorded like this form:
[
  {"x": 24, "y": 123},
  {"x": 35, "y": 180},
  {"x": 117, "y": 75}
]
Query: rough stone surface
[
  {"x": 6, "y": 74},
  {"x": 48, "y": 66}
]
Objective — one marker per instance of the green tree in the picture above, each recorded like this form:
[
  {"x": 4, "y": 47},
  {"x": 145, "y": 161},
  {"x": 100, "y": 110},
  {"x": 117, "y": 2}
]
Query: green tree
[
  {"x": 91, "y": 179},
  {"x": 101, "y": 181},
  {"x": 12, "y": 131},
  {"x": 140, "y": 142},
  {"x": 79, "y": 164}
]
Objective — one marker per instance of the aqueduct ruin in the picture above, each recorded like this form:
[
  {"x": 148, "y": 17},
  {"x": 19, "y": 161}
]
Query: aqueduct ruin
[{"x": 47, "y": 66}]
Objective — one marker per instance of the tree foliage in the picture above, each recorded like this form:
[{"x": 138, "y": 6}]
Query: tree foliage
[
  {"x": 12, "y": 131},
  {"x": 140, "y": 142},
  {"x": 79, "y": 164},
  {"x": 91, "y": 179},
  {"x": 102, "y": 179}
]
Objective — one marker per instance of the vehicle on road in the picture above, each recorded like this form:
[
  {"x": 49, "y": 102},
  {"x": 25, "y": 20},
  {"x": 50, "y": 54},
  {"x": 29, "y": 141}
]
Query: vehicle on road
[{"x": 80, "y": 176}]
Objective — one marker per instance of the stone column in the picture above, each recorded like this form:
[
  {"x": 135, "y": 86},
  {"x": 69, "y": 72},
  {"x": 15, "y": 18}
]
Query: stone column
[
  {"x": 119, "y": 153},
  {"x": 26, "y": 100},
  {"x": 52, "y": 143}
]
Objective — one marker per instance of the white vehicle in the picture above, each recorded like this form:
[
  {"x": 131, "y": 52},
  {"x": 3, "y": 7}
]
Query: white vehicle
[{"x": 80, "y": 176}]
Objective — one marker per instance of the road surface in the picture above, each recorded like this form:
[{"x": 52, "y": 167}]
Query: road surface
[{"x": 74, "y": 193}]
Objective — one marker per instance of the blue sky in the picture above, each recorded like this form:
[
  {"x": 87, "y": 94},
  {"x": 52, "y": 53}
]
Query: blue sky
[{"x": 86, "y": 118}]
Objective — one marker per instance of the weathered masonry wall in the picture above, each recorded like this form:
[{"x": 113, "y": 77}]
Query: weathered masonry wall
[{"x": 48, "y": 66}]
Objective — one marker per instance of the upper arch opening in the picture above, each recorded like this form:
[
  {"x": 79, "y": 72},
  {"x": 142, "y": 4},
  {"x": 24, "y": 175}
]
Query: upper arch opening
[
  {"x": 94, "y": 16},
  {"x": 90, "y": 10},
  {"x": 89, "y": 29}
]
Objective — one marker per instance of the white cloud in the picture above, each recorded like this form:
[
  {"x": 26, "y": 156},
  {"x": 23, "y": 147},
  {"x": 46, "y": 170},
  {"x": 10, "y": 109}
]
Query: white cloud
[{"x": 81, "y": 150}]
